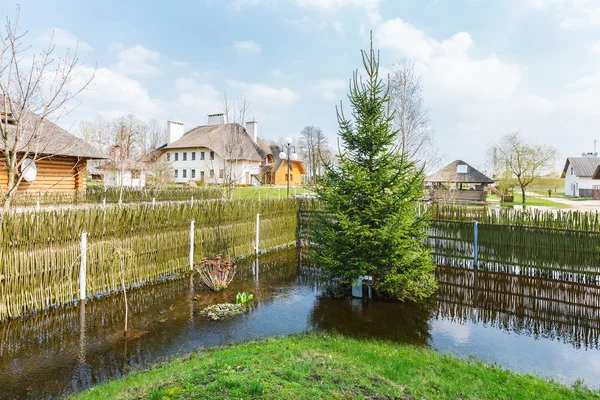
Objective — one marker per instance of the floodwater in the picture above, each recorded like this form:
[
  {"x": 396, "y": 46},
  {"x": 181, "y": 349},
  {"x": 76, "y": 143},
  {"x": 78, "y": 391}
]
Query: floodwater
[{"x": 524, "y": 323}]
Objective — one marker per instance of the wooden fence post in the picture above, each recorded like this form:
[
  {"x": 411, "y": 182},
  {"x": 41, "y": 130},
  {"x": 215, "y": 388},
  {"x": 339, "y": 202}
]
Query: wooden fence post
[
  {"x": 192, "y": 245},
  {"x": 37, "y": 206},
  {"x": 475, "y": 245},
  {"x": 83, "y": 267},
  {"x": 257, "y": 232},
  {"x": 153, "y": 202},
  {"x": 192, "y": 201}
]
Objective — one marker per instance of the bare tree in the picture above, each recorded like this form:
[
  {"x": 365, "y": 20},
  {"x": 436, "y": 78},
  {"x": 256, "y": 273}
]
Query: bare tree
[
  {"x": 314, "y": 151},
  {"x": 411, "y": 116},
  {"x": 34, "y": 89},
  {"x": 233, "y": 161},
  {"x": 513, "y": 156},
  {"x": 155, "y": 136},
  {"x": 128, "y": 136}
]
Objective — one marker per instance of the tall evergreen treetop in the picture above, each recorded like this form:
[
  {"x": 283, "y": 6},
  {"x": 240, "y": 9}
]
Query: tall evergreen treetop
[{"x": 371, "y": 225}]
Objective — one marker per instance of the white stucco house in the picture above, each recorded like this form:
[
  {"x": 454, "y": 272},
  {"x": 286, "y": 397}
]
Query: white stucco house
[
  {"x": 579, "y": 175},
  {"x": 218, "y": 152}
]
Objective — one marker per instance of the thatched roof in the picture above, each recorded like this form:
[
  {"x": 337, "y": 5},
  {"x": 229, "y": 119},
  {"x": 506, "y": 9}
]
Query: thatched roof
[
  {"x": 229, "y": 141},
  {"x": 43, "y": 137},
  {"x": 449, "y": 174},
  {"x": 582, "y": 166}
]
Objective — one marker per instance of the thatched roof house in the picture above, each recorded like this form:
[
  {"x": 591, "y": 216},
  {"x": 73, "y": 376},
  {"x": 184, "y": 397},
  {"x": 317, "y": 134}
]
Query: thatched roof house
[
  {"x": 459, "y": 172},
  {"x": 222, "y": 151},
  {"x": 458, "y": 181}
]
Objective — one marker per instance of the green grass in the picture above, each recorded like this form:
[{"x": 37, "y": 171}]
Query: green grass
[
  {"x": 267, "y": 192},
  {"x": 531, "y": 201},
  {"x": 330, "y": 367}
]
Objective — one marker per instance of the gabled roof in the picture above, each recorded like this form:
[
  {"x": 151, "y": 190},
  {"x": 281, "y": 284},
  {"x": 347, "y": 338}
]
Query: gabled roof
[
  {"x": 582, "y": 166},
  {"x": 229, "y": 141},
  {"x": 278, "y": 162},
  {"x": 449, "y": 174},
  {"x": 40, "y": 136}
]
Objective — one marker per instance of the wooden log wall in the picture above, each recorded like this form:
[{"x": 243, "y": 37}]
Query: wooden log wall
[{"x": 53, "y": 174}]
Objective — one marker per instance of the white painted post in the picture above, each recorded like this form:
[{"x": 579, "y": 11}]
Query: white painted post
[
  {"x": 192, "y": 201},
  {"x": 475, "y": 245},
  {"x": 104, "y": 202},
  {"x": 83, "y": 266},
  {"x": 37, "y": 206},
  {"x": 192, "y": 245},
  {"x": 153, "y": 202},
  {"x": 257, "y": 232}
]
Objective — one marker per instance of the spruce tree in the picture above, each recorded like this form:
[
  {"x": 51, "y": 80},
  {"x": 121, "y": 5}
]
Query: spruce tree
[{"x": 371, "y": 225}]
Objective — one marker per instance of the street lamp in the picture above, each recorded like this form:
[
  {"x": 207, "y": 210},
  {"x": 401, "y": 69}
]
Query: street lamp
[{"x": 288, "y": 153}]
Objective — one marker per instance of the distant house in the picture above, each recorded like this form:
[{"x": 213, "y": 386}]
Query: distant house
[
  {"x": 123, "y": 172},
  {"x": 222, "y": 152},
  {"x": 579, "y": 174},
  {"x": 58, "y": 158},
  {"x": 459, "y": 182}
]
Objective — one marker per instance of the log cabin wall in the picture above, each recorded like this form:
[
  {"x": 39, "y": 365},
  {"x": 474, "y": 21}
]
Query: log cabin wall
[{"x": 53, "y": 174}]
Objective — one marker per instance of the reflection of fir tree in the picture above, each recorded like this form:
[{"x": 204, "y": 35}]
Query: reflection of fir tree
[
  {"x": 398, "y": 321},
  {"x": 373, "y": 194}
]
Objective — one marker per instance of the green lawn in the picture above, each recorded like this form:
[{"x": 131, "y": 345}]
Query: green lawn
[
  {"x": 266, "y": 192},
  {"x": 329, "y": 367},
  {"x": 531, "y": 201}
]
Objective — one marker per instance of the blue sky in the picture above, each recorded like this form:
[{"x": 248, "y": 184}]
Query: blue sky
[{"x": 488, "y": 67}]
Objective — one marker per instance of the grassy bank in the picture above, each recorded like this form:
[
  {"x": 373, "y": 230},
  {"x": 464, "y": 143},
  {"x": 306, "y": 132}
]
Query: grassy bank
[
  {"x": 532, "y": 201},
  {"x": 317, "y": 366}
]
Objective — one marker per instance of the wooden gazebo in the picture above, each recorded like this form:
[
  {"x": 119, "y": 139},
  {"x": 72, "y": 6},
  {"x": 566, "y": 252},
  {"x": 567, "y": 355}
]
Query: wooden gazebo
[{"x": 459, "y": 182}]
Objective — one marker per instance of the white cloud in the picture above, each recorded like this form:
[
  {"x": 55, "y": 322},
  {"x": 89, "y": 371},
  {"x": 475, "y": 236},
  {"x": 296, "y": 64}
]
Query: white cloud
[
  {"x": 180, "y": 64},
  {"x": 186, "y": 84},
  {"x": 247, "y": 46},
  {"x": 137, "y": 60},
  {"x": 63, "y": 39},
  {"x": 370, "y": 7},
  {"x": 330, "y": 87},
  {"x": 111, "y": 94},
  {"x": 261, "y": 93},
  {"x": 338, "y": 26},
  {"x": 447, "y": 66},
  {"x": 573, "y": 13}
]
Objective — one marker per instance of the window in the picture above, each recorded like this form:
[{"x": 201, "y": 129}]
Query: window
[
  {"x": 202, "y": 176},
  {"x": 212, "y": 173},
  {"x": 212, "y": 155},
  {"x": 291, "y": 177},
  {"x": 184, "y": 174},
  {"x": 184, "y": 156},
  {"x": 136, "y": 174},
  {"x": 168, "y": 156},
  {"x": 221, "y": 173},
  {"x": 176, "y": 156},
  {"x": 176, "y": 173},
  {"x": 193, "y": 155},
  {"x": 202, "y": 155},
  {"x": 571, "y": 170},
  {"x": 193, "y": 173}
]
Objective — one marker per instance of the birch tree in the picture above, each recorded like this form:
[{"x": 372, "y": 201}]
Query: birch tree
[
  {"x": 525, "y": 162},
  {"x": 411, "y": 119},
  {"x": 34, "y": 89}
]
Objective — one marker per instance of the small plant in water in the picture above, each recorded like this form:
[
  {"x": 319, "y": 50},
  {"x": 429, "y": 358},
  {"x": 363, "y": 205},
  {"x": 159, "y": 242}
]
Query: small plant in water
[
  {"x": 217, "y": 274},
  {"x": 243, "y": 298}
]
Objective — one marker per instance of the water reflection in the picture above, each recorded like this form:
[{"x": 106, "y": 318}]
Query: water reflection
[{"x": 525, "y": 323}]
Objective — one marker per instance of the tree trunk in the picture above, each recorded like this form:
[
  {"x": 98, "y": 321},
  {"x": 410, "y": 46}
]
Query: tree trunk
[{"x": 523, "y": 194}]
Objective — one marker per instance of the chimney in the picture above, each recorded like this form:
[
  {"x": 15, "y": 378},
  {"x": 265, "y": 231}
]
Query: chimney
[
  {"x": 217, "y": 119},
  {"x": 252, "y": 129},
  {"x": 175, "y": 131}
]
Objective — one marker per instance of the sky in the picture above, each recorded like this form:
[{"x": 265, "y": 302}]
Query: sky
[{"x": 488, "y": 68}]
